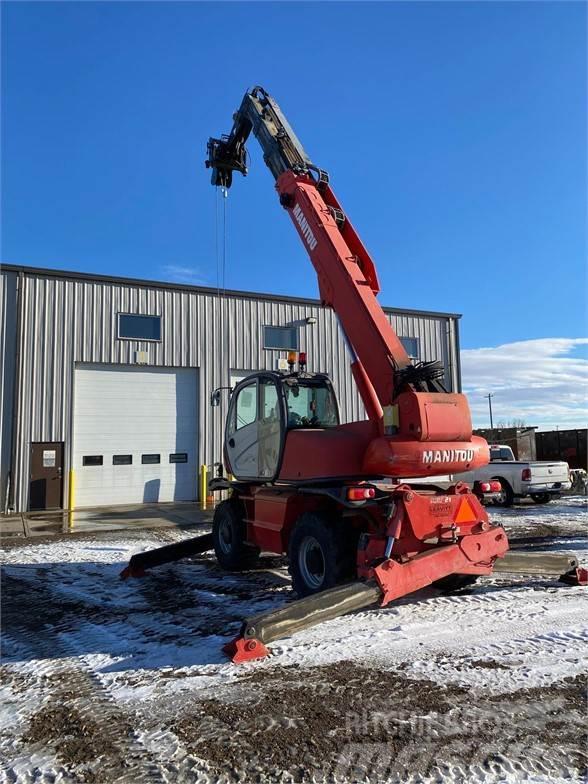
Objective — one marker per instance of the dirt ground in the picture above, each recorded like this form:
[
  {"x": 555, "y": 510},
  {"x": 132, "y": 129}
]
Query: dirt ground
[
  {"x": 301, "y": 722},
  {"x": 108, "y": 681}
]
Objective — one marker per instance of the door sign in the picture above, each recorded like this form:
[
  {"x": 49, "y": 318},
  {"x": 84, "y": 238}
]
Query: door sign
[{"x": 49, "y": 458}]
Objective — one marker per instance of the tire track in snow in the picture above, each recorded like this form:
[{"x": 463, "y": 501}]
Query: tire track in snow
[
  {"x": 496, "y": 620},
  {"x": 49, "y": 642}
]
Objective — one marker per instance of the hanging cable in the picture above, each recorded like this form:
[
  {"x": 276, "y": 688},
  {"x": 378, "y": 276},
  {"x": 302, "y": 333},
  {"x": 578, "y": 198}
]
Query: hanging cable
[
  {"x": 221, "y": 279},
  {"x": 216, "y": 247},
  {"x": 225, "y": 192}
]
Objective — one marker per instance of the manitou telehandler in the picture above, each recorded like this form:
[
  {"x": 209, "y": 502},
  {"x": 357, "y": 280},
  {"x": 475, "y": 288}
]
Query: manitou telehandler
[{"x": 331, "y": 496}]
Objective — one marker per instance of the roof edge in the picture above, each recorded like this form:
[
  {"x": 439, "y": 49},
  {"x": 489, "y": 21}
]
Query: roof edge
[{"x": 72, "y": 275}]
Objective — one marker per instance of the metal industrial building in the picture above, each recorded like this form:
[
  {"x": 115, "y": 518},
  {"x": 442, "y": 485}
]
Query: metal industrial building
[{"x": 106, "y": 381}]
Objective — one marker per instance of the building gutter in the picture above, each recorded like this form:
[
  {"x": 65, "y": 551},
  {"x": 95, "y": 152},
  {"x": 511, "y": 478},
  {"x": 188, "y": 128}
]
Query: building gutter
[{"x": 9, "y": 500}]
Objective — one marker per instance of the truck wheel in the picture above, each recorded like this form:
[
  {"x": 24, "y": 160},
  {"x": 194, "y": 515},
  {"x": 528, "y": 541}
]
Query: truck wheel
[
  {"x": 454, "y": 582},
  {"x": 228, "y": 535},
  {"x": 507, "y": 495},
  {"x": 316, "y": 557},
  {"x": 541, "y": 498}
]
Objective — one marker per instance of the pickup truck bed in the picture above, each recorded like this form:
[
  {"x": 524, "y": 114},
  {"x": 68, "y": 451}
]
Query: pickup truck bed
[{"x": 542, "y": 481}]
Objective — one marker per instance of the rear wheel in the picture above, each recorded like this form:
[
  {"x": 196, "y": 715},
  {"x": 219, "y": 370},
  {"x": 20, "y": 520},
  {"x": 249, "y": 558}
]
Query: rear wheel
[
  {"x": 317, "y": 558},
  {"x": 454, "y": 582},
  {"x": 541, "y": 498},
  {"x": 506, "y": 497},
  {"x": 228, "y": 535}
]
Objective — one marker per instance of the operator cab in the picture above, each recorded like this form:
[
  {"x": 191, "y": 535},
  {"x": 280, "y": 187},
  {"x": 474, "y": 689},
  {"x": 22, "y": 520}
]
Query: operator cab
[{"x": 263, "y": 408}]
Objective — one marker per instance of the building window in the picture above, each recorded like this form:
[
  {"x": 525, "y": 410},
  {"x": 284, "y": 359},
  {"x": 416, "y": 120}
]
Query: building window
[
  {"x": 132, "y": 326},
  {"x": 122, "y": 460},
  {"x": 178, "y": 457},
  {"x": 150, "y": 459},
  {"x": 411, "y": 346},
  {"x": 92, "y": 460},
  {"x": 281, "y": 338}
]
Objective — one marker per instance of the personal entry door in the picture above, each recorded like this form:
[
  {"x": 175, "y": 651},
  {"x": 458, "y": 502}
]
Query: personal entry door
[{"x": 46, "y": 482}]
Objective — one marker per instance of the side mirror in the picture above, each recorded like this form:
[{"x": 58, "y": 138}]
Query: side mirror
[{"x": 215, "y": 398}]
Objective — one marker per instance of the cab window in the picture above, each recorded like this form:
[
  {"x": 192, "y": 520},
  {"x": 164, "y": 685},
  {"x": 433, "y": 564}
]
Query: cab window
[
  {"x": 310, "y": 405},
  {"x": 269, "y": 400},
  {"x": 246, "y": 406}
]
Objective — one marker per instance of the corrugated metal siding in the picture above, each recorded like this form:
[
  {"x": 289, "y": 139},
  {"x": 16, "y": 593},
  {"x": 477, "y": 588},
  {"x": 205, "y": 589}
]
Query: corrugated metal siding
[{"x": 66, "y": 322}]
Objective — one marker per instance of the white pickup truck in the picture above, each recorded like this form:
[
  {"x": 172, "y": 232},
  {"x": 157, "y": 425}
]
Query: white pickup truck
[{"x": 542, "y": 481}]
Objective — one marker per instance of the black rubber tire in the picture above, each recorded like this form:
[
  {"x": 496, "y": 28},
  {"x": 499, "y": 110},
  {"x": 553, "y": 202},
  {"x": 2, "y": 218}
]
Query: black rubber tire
[
  {"x": 228, "y": 536},
  {"x": 541, "y": 498},
  {"x": 330, "y": 561},
  {"x": 508, "y": 498},
  {"x": 455, "y": 582}
]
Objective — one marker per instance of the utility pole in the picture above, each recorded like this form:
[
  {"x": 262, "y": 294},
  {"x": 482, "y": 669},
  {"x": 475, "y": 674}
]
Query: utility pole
[{"x": 490, "y": 395}]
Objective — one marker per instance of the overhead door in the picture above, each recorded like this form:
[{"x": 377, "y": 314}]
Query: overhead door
[{"x": 135, "y": 434}]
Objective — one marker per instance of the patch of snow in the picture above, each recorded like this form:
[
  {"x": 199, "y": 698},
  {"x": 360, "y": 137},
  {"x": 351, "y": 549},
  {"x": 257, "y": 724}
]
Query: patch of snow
[{"x": 160, "y": 638}]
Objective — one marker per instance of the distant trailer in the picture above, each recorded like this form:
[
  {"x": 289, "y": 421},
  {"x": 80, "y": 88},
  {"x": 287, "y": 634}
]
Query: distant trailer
[
  {"x": 568, "y": 445},
  {"x": 520, "y": 439}
]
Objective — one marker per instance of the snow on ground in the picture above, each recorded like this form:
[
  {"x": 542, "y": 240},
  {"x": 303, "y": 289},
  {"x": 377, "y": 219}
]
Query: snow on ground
[{"x": 104, "y": 680}]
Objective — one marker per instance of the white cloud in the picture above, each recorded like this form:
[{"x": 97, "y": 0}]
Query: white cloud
[
  {"x": 190, "y": 275},
  {"x": 543, "y": 382}
]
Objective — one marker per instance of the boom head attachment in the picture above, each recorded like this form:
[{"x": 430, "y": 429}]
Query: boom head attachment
[
  {"x": 224, "y": 157},
  {"x": 282, "y": 150}
]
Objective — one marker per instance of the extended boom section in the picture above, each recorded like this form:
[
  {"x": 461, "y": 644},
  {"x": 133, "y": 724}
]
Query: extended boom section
[{"x": 406, "y": 401}]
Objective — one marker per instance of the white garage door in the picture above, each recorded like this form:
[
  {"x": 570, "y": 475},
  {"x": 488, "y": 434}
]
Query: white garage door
[{"x": 135, "y": 435}]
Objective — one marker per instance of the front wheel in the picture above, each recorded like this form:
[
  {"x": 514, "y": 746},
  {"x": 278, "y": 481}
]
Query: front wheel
[
  {"x": 316, "y": 555},
  {"x": 228, "y": 536},
  {"x": 541, "y": 498}
]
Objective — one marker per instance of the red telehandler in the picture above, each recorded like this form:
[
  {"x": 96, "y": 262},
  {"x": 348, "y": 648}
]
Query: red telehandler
[{"x": 331, "y": 496}]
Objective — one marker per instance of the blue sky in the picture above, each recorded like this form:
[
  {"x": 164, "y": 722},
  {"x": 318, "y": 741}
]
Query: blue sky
[{"x": 455, "y": 135}]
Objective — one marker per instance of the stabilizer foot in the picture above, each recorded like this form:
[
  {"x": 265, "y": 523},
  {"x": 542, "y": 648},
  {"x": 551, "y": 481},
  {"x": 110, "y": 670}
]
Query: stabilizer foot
[
  {"x": 241, "y": 650},
  {"x": 578, "y": 576}
]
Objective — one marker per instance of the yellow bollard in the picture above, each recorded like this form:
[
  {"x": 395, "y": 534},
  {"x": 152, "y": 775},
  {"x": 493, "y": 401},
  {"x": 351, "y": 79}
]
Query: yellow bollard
[
  {"x": 203, "y": 486},
  {"x": 71, "y": 495}
]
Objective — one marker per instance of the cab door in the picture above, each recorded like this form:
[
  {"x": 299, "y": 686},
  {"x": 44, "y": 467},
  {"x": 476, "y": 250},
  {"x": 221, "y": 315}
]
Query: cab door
[
  {"x": 255, "y": 430},
  {"x": 241, "y": 435}
]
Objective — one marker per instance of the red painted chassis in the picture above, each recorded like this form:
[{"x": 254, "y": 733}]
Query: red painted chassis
[{"x": 407, "y": 540}]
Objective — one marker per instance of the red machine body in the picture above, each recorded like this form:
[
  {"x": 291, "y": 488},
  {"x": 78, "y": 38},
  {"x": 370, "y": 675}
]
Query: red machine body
[
  {"x": 420, "y": 521},
  {"x": 334, "y": 497},
  {"x": 400, "y": 537}
]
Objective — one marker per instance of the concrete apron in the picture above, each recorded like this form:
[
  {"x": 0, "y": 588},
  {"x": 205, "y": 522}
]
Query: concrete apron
[{"x": 105, "y": 518}]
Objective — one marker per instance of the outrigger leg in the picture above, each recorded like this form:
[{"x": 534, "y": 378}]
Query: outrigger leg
[
  {"x": 257, "y": 632},
  {"x": 392, "y": 580},
  {"x": 563, "y": 566},
  {"x": 389, "y": 580},
  {"x": 162, "y": 555},
  {"x": 386, "y": 581}
]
